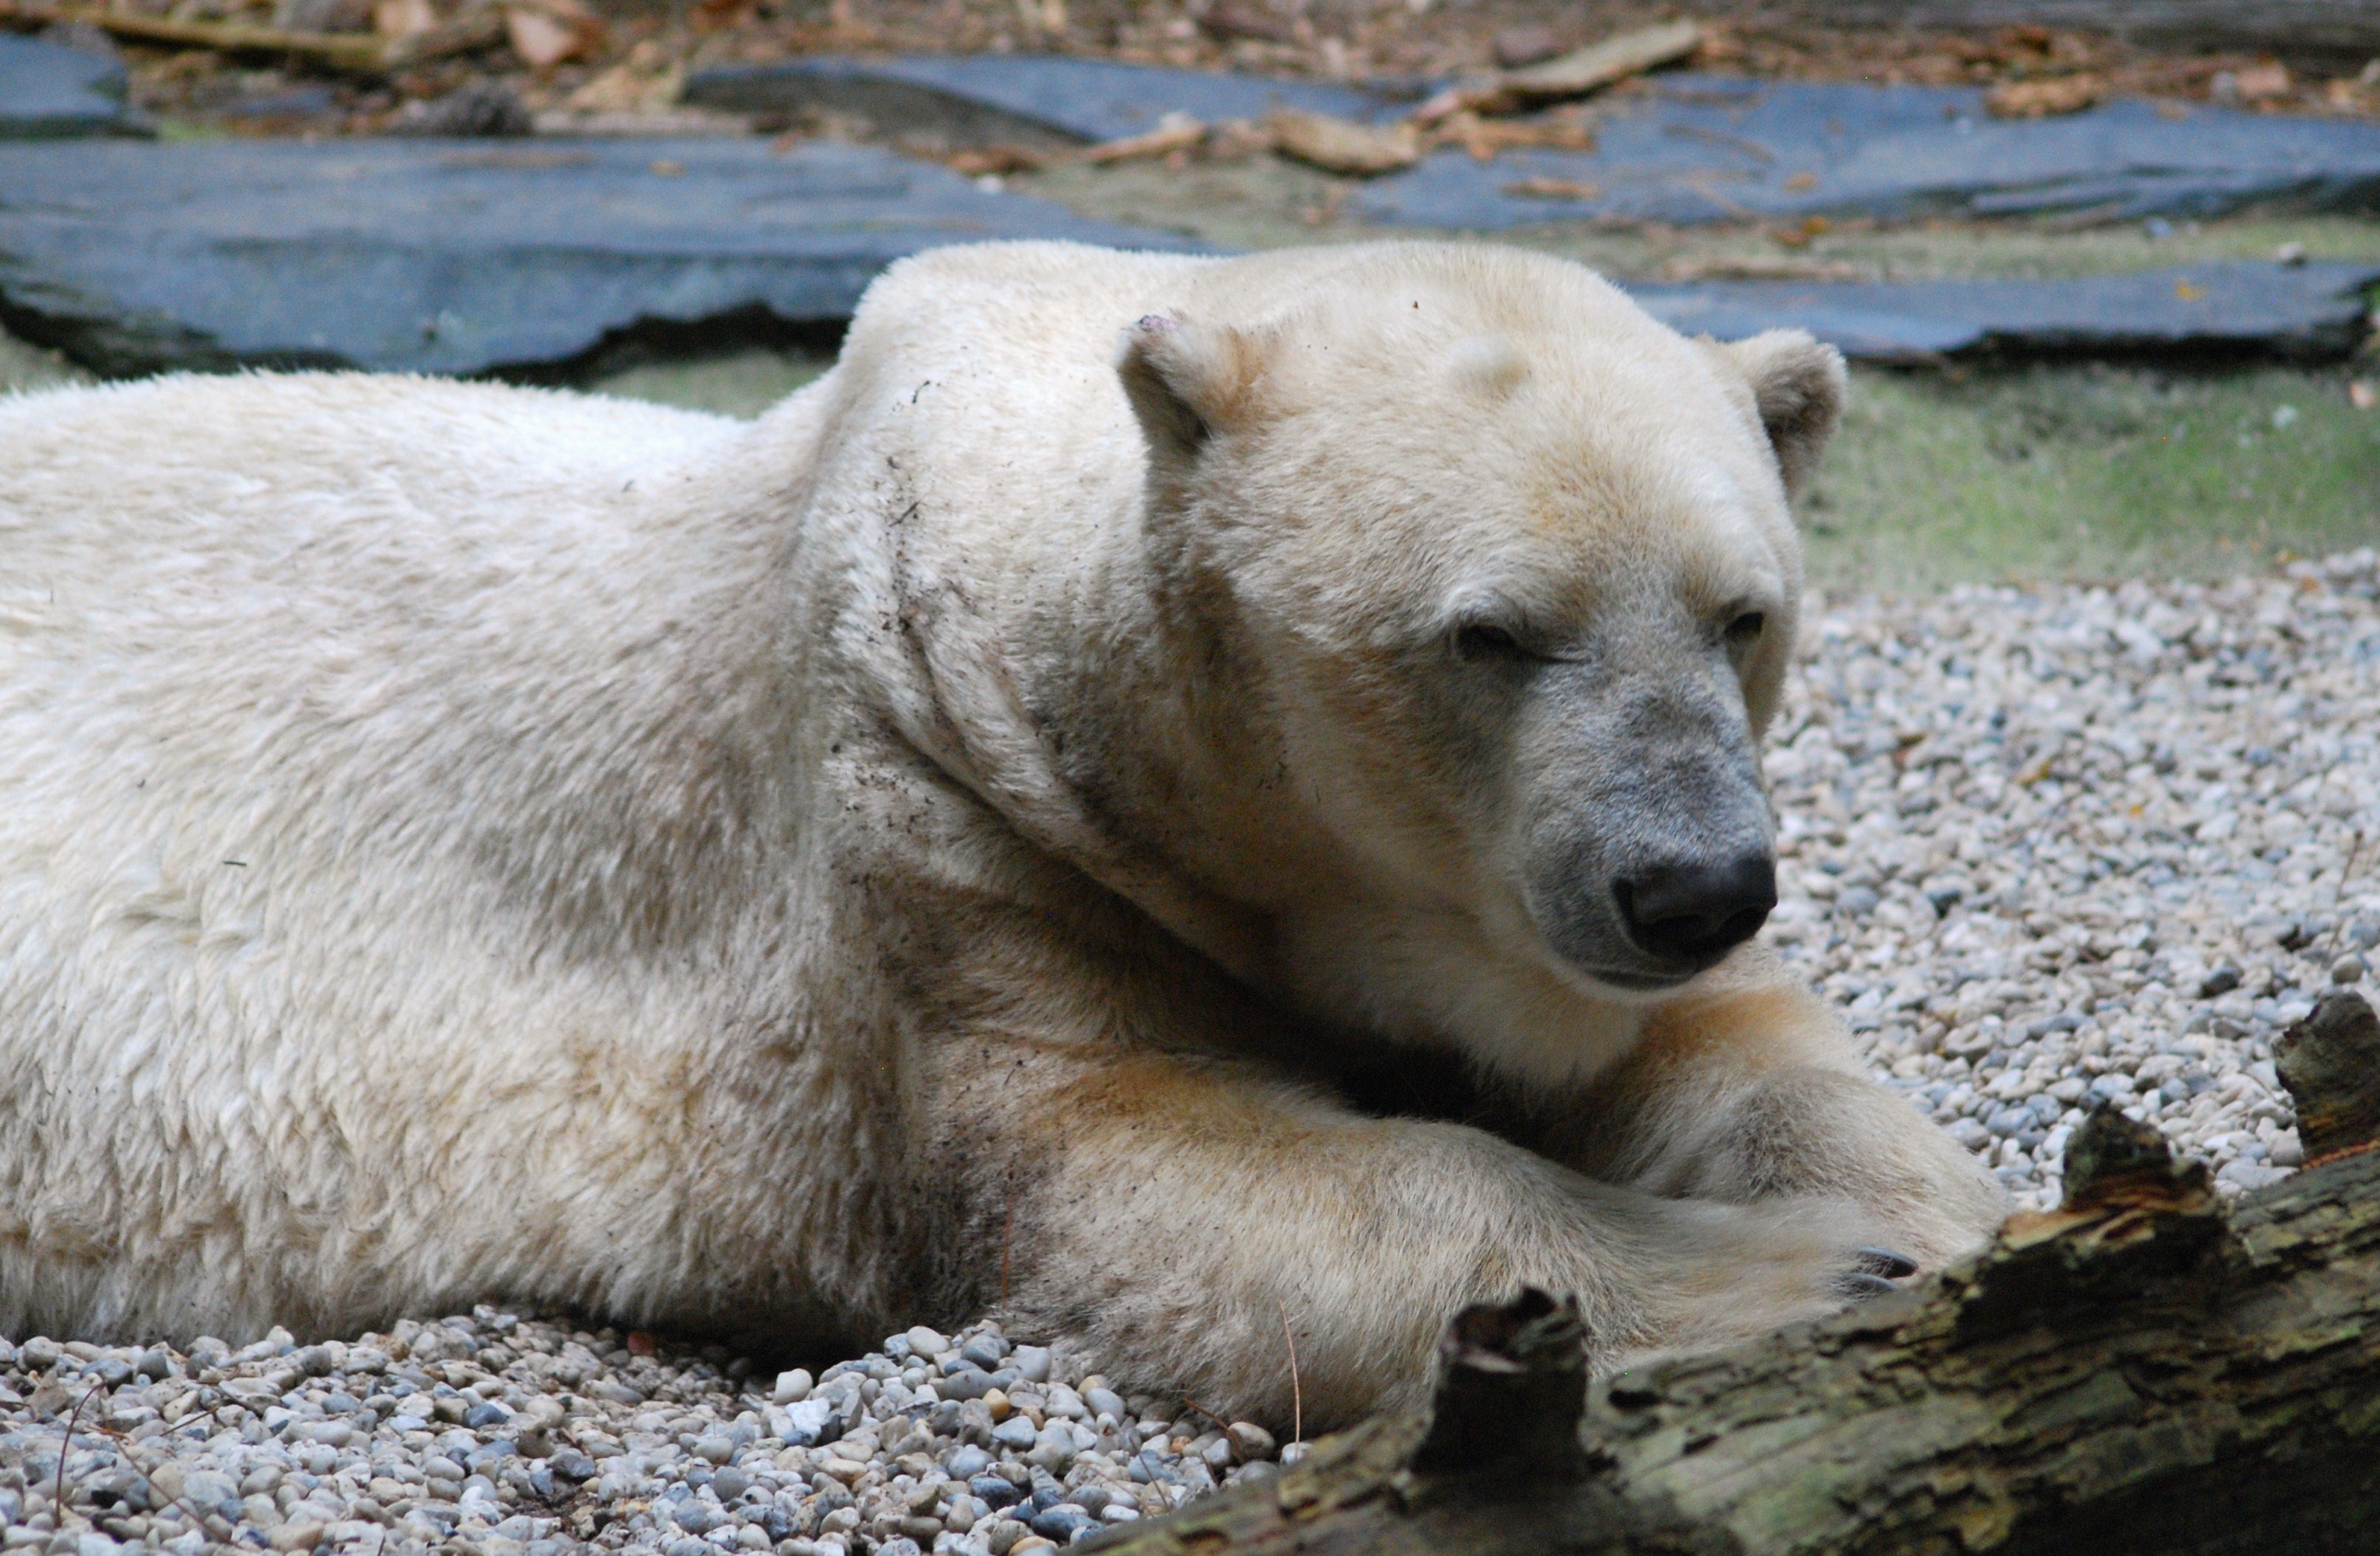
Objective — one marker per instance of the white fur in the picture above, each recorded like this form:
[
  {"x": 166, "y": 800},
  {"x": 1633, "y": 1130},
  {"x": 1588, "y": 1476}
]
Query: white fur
[{"x": 461, "y": 841}]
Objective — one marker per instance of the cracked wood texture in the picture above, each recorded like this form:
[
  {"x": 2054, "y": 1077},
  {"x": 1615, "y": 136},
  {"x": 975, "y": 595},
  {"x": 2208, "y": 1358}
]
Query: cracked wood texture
[{"x": 2141, "y": 1372}]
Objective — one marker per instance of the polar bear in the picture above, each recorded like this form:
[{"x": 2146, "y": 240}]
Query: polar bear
[{"x": 1162, "y": 796}]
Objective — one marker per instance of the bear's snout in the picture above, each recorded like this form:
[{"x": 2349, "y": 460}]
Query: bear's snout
[{"x": 1692, "y": 911}]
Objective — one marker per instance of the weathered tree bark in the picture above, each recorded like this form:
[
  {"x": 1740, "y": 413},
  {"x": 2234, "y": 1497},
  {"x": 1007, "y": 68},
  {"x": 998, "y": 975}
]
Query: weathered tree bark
[
  {"x": 2139, "y": 1371},
  {"x": 2307, "y": 29}
]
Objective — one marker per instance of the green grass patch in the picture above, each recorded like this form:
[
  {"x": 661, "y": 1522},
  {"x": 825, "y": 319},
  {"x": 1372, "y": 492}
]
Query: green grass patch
[
  {"x": 735, "y": 383},
  {"x": 24, "y": 367},
  {"x": 2089, "y": 472}
]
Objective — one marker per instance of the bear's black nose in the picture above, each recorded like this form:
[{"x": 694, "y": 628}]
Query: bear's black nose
[{"x": 1692, "y": 910}]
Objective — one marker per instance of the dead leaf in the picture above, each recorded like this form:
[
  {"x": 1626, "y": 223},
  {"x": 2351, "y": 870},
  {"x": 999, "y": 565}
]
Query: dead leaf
[
  {"x": 1801, "y": 181},
  {"x": 2045, "y": 99},
  {"x": 546, "y": 32},
  {"x": 2360, "y": 395},
  {"x": 1343, "y": 146},
  {"x": 2263, "y": 83},
  {"x": 625, "y": 89},
  {"x": 404, "y": 18},
  {"x": 2189, "y": 292},
  {"x": 977, "y": 162}
]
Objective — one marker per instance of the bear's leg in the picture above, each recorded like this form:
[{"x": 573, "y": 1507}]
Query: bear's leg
[
  {"x": 1753, "y": 1094},
  {"x": 1179, "y": 1221}
]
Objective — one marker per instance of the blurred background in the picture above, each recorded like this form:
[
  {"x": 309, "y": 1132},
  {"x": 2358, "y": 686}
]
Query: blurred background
[{"x": 2104, "y": 266}]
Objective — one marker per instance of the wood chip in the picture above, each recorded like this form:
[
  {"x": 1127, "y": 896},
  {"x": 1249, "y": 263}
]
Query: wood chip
[
  {"x": 977, "y": 162},
  {"x": 1343, "y": 146},
  {"x": 347, "y": 50},
  {"x": 1482, "y": 138},
  {"x": 1176, "y": 132},
  {"x": 625, "y": 89},
  {"x": 1227, "y": 19},
  {"x": 1764, "y": 267},
  {"x": 2041, "y": 100},
  {"x": 1553, "y": 189},
  {"x": 1571, "y": 75}
]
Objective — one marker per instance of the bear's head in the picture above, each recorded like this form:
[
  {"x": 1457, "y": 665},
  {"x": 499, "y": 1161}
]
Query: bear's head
[{"x": 1502, "y": 574}]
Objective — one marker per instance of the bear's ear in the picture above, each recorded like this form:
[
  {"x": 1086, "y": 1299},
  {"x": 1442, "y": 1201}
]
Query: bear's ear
[
  {"x": 1800, "y": 386},
  {"x": 1187, "y": 381}
]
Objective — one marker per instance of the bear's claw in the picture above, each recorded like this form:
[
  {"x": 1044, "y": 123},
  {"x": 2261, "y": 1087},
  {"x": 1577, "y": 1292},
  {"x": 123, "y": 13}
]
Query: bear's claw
[{"x": 1884, "y": 1262}]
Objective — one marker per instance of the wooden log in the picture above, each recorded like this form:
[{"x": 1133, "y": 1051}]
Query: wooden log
[
  {"x": 2314, "y": 30},
  {"x": 2140, "y": 1373},
  {"x": 341, "y": 51}
]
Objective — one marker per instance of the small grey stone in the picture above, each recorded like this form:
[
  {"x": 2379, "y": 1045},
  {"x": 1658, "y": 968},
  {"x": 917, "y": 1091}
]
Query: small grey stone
[
  {"x": 968, "y": 1382},
  {"x": 2245, "y": 1174},
  {"x": 2348, "y": 969},
  {"x": 1252, "y": 1441},
  {"x": 995, "y": 1492},
  {"x": 1061, "y": 1522},
  {"x": 1967, "y": 1132},
  {"x": 808, "y": 1422},
  {"x": 1032, "y": 1363},
  {"x": 572, "y": 1465}
]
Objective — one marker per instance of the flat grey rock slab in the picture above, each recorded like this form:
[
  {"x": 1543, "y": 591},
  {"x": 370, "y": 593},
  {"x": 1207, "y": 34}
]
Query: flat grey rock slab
[
  {"x": 983, "y": 99},
  {"x": 1688, "y": 149},
  {"x": 48, "y": 91},
  {"x": 459, "y": 255},
  {"x": 2309, "y": 312}
]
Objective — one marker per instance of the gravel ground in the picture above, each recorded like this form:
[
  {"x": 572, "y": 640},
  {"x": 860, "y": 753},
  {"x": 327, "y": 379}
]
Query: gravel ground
[
  {"x": 2041, "y": 846},
  {"x": 523, "y": 1437},
  {"x": 2048, "y": 845}
]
